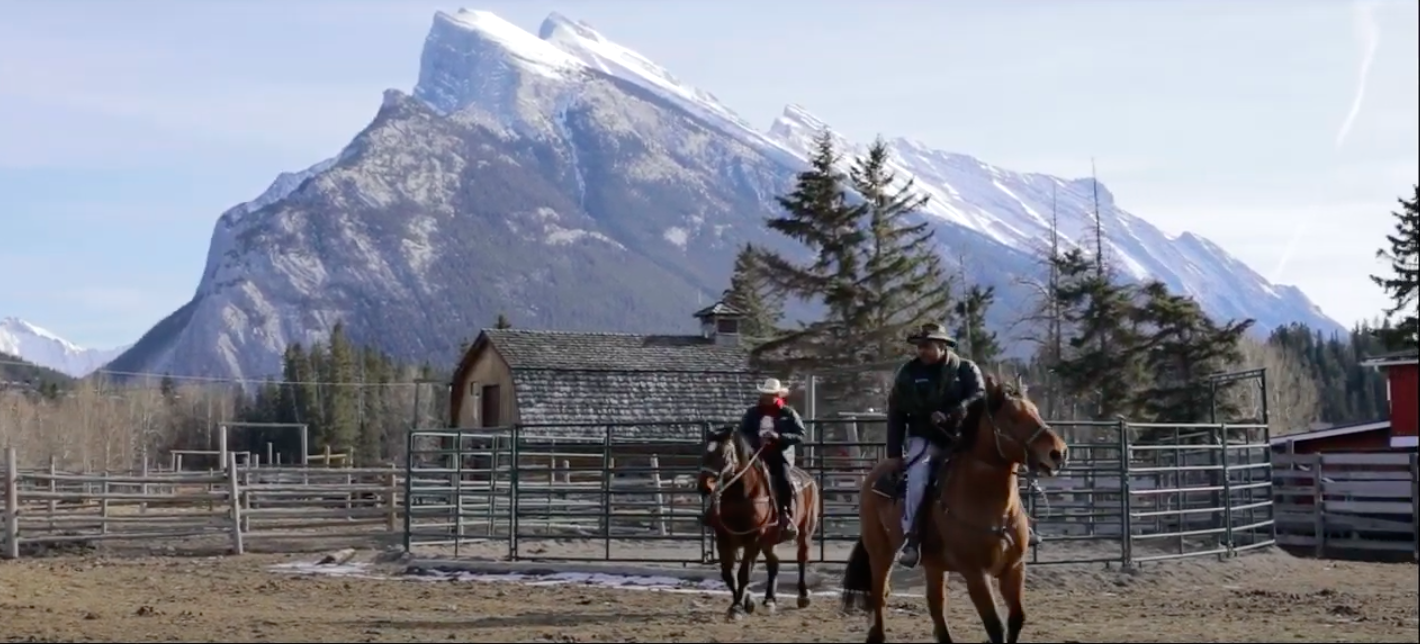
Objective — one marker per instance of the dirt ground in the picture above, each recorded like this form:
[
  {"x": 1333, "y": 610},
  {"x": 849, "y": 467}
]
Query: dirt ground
[{"x": 1264, "y": 597}]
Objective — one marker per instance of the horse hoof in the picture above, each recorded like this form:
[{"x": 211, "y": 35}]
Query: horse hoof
[
  {"x": 749, "y": 606},
  {"x": 735, "y": 614},
  {"x": 770, "y": 606},
  {"x": 804, "y": 602}
]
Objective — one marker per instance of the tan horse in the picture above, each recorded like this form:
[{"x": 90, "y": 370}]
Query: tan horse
[
  {"x": 979, "y": 529},
  {"x": 745, "y": 521}
]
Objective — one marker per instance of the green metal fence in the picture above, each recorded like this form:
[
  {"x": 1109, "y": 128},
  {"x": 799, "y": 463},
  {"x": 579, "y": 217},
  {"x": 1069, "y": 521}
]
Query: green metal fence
[{"x": 1133, "y": 492}]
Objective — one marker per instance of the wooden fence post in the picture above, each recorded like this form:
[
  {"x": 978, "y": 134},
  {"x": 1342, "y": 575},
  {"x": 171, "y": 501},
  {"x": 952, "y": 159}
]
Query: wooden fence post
[
  {"x": 1415, "y": 502},
  {"x": 1318, "y": 505},
  {"x": 12, "y": 504},
  {"x": 53, "y": 487},
  {"x": 234, "y": 493},
  {"x": 393, "y": 514},
  {"x": 660, "y": 496},
  {"x": 107, "y": 491}
]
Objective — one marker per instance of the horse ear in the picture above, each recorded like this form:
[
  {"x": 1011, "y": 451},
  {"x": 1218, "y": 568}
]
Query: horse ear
[{"x": 993, "y": 386}]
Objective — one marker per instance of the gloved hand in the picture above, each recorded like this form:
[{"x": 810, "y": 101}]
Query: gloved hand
[{"x": 766, "y": 430}]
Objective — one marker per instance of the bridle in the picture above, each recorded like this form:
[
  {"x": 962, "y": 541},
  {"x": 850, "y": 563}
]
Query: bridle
[
  {"x": 997, "y": 435},
  {"x": 727, "y": 476}
]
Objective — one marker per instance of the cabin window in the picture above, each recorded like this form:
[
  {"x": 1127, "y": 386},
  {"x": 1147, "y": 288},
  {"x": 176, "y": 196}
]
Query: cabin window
[
  {"x": 472, "y": 389},
  {"x": 727, "y": 325},
  {"x": 490, "y": 408}
]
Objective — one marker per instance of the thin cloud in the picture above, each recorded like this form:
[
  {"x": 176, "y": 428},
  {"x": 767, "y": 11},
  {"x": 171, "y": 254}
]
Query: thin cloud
[{"x": 1369, "y": 36}]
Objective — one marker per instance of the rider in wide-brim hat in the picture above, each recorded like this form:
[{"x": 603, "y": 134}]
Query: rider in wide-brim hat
[
  {"x": 772, "y": 425},
  {"x": 926, "y": 408},
  {"x": 932, "y": 332}
]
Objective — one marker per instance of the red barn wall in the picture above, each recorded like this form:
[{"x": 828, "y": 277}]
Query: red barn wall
[
  {"x": 1404, "y": 390},
  {"x": 1373, "y": 440}
]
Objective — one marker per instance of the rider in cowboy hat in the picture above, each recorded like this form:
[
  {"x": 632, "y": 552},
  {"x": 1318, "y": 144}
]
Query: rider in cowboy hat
[
  {"x": 925, "y": 410},
  {"x": 775, "y": 426}
]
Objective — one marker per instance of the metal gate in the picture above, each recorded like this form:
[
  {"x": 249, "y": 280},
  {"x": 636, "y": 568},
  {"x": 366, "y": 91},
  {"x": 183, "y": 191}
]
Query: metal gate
[{"x": 608, "y": 493}]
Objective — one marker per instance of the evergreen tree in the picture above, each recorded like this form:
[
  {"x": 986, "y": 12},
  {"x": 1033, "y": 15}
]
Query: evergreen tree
[
  {"x": 502, "y": 322},
  {"x": 1403, "y": 285},
  {"x": 340, "y": 399},
  {"x": 977, "y": 342},
  {"x": 1184, "y": 346},
  {"x": 167, "y": 388},
  {"x": 902, "y": 281},
  {"x": 753, "y": 295},
  {"x": 818, "y": 215},
  {"x": 1102, "y": 366},
  {"x": 373, "y": 399}
]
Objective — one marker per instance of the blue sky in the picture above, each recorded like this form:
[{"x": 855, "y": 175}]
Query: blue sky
[{"x": 127, "y": 127}]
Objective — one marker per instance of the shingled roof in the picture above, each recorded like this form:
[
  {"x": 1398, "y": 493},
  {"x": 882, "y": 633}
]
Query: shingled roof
[{"x": 583, "y": 382}]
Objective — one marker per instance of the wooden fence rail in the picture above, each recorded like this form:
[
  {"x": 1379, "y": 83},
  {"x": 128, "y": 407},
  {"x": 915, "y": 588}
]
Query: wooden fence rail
[
  {"x": 1348, "y": 504},
  {"x": 239, "y": 503}
]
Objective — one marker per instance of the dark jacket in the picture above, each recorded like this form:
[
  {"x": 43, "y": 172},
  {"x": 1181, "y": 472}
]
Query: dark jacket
[
  {"x": 920, "y": 389},
  {"x": 786, "y": 422}
]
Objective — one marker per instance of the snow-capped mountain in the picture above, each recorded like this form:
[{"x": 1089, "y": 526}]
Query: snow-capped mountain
[
  {"x": 34, "y": 344},
  {"x": 570, "y": 182}
]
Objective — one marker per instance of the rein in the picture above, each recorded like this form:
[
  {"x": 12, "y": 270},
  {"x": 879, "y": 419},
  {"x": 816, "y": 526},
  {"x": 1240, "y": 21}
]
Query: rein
[{"x": 722, "y": 484}]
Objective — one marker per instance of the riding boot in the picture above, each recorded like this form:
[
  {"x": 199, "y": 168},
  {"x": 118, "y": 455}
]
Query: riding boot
[
  {"x": 910, "y": 553},
  {"x": 1034, "y": 539},
  {"x": 787, "y": 530}
]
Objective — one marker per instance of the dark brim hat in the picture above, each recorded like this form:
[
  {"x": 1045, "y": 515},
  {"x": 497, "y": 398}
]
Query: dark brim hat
[{"x": 931, "y": 332}]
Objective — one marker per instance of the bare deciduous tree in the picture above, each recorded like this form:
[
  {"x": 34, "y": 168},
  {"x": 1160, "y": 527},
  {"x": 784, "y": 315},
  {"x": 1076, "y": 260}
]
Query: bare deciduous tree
[{"x": 1293, "y": 399}]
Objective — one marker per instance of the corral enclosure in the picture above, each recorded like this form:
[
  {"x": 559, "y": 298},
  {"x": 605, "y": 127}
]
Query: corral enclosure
[
  {"x": 536, "y": 494},
  {"x": 48, "y": 509}
]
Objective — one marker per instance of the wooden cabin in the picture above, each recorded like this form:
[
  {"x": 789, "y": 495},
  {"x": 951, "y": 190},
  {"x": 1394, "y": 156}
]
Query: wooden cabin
[{"x": 569, "y": 387}]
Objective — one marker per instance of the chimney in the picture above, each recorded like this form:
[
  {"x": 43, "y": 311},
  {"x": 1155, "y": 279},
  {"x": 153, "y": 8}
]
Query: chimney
[{"x": 720, "y": 323}]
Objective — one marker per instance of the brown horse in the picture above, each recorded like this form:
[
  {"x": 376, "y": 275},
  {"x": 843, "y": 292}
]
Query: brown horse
[
  {"x": 978, "y": 529},
  {"x": 743, "y": 516}
]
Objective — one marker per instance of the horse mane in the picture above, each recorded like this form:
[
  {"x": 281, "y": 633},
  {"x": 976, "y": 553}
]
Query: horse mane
[
  {"x": 730, "y": 432},
  {"x": 997, "y": 392}
]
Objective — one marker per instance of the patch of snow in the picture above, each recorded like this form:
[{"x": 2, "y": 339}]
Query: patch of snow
[
  {"x": 45, "y": 348},
  {"x": 535, "y": 55}
]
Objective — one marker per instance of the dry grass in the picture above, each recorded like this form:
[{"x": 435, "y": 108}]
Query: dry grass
[{"x": 94, "y": 427}]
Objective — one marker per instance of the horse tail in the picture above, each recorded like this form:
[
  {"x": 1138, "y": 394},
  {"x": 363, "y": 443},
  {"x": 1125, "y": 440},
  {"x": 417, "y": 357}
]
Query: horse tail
[{"x": 857, "y": 581}]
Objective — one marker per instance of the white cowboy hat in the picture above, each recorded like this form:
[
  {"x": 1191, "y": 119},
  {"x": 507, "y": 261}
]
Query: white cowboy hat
[{"x": 772, "y": 386}]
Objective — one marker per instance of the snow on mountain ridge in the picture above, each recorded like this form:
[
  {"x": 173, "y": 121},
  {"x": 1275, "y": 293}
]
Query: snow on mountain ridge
[
  {"x": 629, "y": 156},
  {"x": 587, "y": 44},
  {"x": 1012, "y": 208},
  {"x": 45, "y": 348}
]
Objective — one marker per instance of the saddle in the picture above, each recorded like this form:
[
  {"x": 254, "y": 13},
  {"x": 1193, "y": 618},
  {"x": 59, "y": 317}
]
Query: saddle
[
  {"x": 892, "y": 484},
  {"x": 798, "y": 480}
]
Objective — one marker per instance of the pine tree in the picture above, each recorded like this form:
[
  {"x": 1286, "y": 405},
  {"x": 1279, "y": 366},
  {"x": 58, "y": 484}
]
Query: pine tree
[
  {"x": 818, "y": 215},
  {"x": 1102, "y": 365},
  {"x": 1183, "y": 347},
  {"x": 502, "y": 322},
  {"x": 340, "y": 398},
  {"x": 903, "y": 274},
  {"x": 751, "y": 292},
  {"x": 1403, "y": 255},
  {"x": 371, "y": 431},
  {"x": 978, "y": 342}
]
